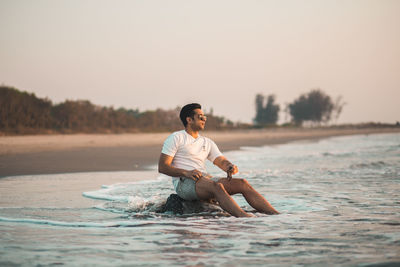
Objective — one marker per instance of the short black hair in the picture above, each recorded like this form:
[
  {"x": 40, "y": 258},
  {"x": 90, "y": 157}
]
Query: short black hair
[{"x": 188, "y": 111}]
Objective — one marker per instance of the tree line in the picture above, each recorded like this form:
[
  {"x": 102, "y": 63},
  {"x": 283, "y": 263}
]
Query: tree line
[
  {"x": 24, "y": 113},
  {"x": 314, "y": 107}
]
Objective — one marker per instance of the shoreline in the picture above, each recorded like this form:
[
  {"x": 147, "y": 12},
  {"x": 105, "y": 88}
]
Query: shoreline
[
  {"x": 61, "y": 190},
  {"x": 54, "y": 154}
]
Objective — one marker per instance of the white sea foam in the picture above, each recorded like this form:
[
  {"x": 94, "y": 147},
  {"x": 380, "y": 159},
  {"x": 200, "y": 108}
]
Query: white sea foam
[{"x": 74, "y": 224}]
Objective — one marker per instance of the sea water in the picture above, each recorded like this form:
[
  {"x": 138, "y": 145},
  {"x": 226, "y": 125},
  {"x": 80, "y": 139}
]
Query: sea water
[{"x": 339, "y": 200}]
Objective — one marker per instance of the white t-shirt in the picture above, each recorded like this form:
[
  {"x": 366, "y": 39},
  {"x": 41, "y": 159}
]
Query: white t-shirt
[{"x": 190, "y": 153}]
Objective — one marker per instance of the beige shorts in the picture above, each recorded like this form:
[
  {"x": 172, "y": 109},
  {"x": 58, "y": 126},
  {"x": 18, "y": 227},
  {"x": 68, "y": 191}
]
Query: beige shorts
[{"x": 186, "y": 187}]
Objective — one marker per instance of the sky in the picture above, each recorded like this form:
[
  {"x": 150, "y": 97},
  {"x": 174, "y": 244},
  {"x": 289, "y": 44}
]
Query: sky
[{"x": 162, "y": 54}]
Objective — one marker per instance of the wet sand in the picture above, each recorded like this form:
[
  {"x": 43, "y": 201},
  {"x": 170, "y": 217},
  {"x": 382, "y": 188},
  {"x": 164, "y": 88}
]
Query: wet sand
[
  {"x": 60, "y": 190},
  {"x": 51, "y": 154}
]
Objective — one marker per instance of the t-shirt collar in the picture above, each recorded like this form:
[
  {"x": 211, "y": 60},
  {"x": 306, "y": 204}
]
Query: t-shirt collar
[{"x": 192, "y": 136}]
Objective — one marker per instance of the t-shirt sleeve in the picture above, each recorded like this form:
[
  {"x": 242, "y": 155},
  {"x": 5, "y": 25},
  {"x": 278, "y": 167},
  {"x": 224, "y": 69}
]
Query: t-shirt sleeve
[
  {"x": 170, "y": 146},
  {"x": 214, "y": 152}
]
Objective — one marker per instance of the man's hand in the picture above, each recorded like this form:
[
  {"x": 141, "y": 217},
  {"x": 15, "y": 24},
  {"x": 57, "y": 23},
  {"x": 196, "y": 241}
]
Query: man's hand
[
  {"x": 232, "y": 169},
  {"x": 165, "y": 167},
  {"x": 194, "y": 175},
  {"x": 225, "y": 165}
]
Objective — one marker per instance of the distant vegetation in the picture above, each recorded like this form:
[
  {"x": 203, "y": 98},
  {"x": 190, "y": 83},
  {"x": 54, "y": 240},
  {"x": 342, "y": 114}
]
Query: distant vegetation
[
  {"x": 315, "y": 107},
  {"x": 24, "y": 113},
  {"x": 266, "y": 110}
]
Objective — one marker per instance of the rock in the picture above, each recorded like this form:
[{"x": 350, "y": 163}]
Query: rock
[
  {"x": 178, "y": 205},
  {"x": 174, "y": 204}
]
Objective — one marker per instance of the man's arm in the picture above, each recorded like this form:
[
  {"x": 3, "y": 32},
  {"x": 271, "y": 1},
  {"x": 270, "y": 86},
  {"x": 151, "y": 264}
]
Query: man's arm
[
  {"x": 165, "y": 167},
  {"x": 225, "y": 165}
]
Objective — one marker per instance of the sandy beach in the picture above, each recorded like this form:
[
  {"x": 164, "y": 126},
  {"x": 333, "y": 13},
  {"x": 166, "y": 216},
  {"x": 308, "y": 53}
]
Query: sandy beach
[{"x": 50, "y": 154}]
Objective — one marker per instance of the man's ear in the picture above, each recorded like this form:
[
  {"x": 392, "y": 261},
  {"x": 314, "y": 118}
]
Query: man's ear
[{"x": 188, "y": 119}]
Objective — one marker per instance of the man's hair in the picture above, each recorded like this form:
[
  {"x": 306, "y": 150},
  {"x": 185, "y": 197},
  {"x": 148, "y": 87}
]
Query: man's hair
[{"x": 188, "y": 111}]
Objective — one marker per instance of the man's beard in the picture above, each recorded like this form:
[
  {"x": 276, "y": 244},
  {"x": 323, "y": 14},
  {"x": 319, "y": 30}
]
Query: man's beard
[{"x": 199, "y": 127}]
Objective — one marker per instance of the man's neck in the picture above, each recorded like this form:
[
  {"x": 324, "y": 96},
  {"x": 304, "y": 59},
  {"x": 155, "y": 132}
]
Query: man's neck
[{"x": 192, "y": 132}]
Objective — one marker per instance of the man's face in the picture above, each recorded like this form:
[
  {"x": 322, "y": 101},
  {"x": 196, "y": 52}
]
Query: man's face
[{"x": 199, "y": 120}]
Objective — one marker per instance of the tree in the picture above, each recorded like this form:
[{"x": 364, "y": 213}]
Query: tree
[
  {"x": 266, "y": 114},
  {"x": 22, "y": 112},
  {"x": 338, "y": 107},
  {"x": 315, "y": 106}
]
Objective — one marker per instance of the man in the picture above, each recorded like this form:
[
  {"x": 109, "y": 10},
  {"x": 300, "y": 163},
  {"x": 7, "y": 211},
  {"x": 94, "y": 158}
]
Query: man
[{"x": 183, "y": 157}]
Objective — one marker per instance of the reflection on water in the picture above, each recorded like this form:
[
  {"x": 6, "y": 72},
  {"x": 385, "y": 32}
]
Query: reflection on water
[{"x": 339, "y": 200}]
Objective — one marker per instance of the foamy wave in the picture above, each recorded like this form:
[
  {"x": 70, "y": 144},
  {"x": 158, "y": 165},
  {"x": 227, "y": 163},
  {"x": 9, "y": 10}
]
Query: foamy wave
[
  {"x": 338, "y": 154},
  {"x": 137, "y": 204},
  {"x": 374, "y": 164},
  {"x": 75, "y": 224},
  {"x": 136, "y": 197},
  {"x": 104, "y": 194},
  {"x": 124, "y": 192}
]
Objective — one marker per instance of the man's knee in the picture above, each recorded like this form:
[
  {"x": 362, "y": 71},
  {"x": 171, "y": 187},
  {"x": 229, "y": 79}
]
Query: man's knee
[
  {"x": 218, "y": 187},
  {"x": 245, "y": 185}
]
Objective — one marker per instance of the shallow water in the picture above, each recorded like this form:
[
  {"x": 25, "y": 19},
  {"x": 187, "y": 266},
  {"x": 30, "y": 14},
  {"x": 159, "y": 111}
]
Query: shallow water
[{"x": 339, "y": 202}]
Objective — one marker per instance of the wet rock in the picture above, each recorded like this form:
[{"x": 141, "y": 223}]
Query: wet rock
[
  {"x": 178, "y": 205},
  {"x": 174, "y": 204}
]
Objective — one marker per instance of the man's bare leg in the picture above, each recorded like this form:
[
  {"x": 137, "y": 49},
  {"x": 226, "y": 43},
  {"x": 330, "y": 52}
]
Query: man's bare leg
[
  {"x": 207, "y": 189},
  {"x": 254, "y": 198}
]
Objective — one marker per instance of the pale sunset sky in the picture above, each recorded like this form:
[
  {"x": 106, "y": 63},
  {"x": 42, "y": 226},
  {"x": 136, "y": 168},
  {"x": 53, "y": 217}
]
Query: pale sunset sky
[{"x": 162, "y": 54}]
